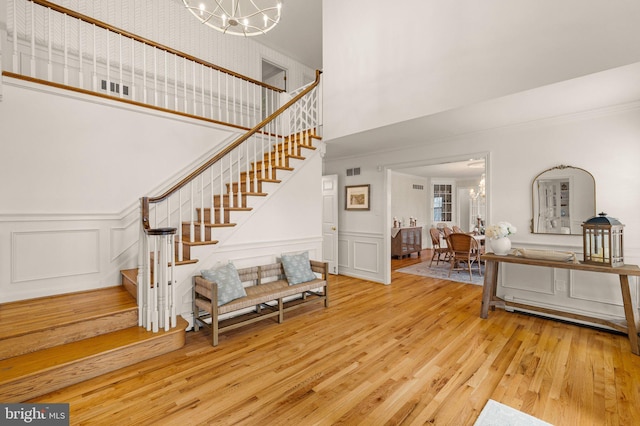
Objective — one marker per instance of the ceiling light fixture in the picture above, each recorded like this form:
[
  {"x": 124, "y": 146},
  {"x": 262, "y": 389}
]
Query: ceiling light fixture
[{"x": 237, "y": 17}]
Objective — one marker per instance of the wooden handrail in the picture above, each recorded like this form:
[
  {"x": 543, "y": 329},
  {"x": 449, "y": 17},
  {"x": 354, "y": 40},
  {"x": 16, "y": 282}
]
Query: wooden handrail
[
  {"x": 146, "y": 41},
  {"x": 146, "y": 200}
]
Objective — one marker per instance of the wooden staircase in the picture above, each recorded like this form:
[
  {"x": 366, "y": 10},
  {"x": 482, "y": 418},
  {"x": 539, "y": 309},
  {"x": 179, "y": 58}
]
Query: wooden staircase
[
  {"x": 241, "y": 192},
  {"x": 53, "y": 342}
]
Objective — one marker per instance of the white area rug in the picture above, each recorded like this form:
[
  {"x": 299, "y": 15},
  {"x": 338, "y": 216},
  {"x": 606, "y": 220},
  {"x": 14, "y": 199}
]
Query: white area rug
[
  {"x": 441, "y": 271},
  {"x": 496, "y": 414}
]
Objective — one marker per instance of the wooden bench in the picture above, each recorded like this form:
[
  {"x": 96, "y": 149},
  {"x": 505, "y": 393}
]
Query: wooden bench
[{"x": 266, "y": 287}]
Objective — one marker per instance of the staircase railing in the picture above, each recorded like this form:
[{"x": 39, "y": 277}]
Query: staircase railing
[
  {"x": 54, "y": 45},
  {"x": 189, "y": 213}
]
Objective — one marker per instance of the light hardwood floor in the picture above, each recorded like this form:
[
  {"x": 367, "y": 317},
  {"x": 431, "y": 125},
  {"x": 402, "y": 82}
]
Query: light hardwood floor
[{"x": 414, "y": 352}]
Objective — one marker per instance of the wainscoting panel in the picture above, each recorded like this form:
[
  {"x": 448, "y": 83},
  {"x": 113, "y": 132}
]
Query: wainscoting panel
[
  {"x": 365, "y": 256},
  {"x": 40, "y": 255},
  {"x": 343, "y": 253},
  {"x": 361, "y": 255},
  {"x": 529, "y": 278},
  {"x": 599, "y": 288}
]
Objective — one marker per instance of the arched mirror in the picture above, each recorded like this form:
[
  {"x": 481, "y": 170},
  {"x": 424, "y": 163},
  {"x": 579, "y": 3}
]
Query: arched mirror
[{"x": 563, "y": 197}]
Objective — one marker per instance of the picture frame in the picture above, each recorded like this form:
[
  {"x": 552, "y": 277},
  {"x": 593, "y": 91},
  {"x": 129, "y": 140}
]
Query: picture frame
[{"x": 357, "y": 197}]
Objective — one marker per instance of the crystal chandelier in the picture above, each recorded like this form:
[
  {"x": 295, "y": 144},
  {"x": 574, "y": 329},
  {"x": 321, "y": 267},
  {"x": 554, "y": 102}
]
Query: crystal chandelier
[{"x": 237, "y": 17}]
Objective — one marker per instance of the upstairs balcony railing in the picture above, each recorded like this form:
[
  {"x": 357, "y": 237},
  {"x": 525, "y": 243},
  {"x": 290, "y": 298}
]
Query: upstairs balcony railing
[{"x": 58, "y": 46}]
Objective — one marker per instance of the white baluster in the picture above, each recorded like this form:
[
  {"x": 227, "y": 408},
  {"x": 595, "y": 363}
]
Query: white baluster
[
  {"x": 219, "y": 97},
  {"x": 94, "y": 75},
  {"x": 166, "y": 80},
  {"x": 202, "y": 207},
  {"x": 231, "y": 191},
  {"x": 193, "y": 82},
  {"x": 80, "y": 56},
  {"x": 120, "y": 60},
  {"x": 65, "y": 44},
  {"x": 49, "y": 47},
  {"x": 172, "y": 282},
  {"x": 154, "y": 289},
  {"x": 184, "y": 81},
  {"x": 192, "y": 209},
  {"x": 155, "y": 76},
  {"x": 233, "y": 84},
  {"x": 211, "y": 198},
  {"x": 221, "y": 194},
  {"x": 180, "y": 243},
  {"x": 175, "y": 83},
  {"x": 16, "y": 63},
  {"x": 211, "y": 91},
  {"x": 202, "y": 69},
  {"x": 133, "y": 70},
  {"x": 33, "y": 40}
]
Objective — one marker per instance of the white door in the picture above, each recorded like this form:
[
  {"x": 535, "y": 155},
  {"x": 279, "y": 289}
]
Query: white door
[{"x": 330, "y": 222}]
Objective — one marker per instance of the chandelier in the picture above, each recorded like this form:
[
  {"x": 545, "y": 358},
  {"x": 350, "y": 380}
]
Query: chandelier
[
  {"x": 481, "y": 189},
  {"x": 237, "y": 17}
]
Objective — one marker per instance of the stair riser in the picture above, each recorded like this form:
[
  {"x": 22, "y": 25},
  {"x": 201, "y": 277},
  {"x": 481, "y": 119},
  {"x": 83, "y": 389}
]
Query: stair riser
[
  {"x": 207, "y": 216},
  {"x": 243, "y": 187},
  {"x": 67, "y": 333},
  {"x": 186, "y": 233},
  {"x": 226, "y": 200},
  {"x": 55, "y": 378}
]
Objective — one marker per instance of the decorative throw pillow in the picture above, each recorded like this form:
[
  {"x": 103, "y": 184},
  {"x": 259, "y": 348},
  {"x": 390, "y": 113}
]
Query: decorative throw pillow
[
  {"x": 297, "y": 268},
  {"x": 229, "y": 285}
]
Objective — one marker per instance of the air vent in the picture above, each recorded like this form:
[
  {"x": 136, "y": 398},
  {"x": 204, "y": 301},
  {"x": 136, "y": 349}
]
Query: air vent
[
  {"x": 419, "y": 187},
  {"x": 115, "y": 87},
  {"x": 353, "y": 172}
]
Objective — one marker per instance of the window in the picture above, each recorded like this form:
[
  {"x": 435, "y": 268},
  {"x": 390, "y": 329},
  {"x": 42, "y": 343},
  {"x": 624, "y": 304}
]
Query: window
[{"x": 442, "y": 203}]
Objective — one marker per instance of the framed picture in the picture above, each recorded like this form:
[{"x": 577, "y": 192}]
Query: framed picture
[{"x": 357, "y": 197}]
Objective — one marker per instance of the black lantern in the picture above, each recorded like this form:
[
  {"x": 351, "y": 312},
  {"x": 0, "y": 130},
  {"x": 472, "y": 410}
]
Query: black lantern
[{"x": 602, "y": 241}]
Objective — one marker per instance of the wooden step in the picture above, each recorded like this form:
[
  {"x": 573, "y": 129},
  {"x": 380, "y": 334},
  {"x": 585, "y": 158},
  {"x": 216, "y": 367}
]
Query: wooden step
[
  {"x": 129, "y": 280},
  {"x": 244, "y": 196},
  {"x": 37, "y": 373},
  {"x": 208, "y": 229},
  {"x": 36, "y": 324},
  {"x": 216, "y": 216}
]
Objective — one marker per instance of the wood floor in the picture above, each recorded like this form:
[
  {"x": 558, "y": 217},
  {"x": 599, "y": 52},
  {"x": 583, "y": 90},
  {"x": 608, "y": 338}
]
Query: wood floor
[{"x": 415, "y": 352}]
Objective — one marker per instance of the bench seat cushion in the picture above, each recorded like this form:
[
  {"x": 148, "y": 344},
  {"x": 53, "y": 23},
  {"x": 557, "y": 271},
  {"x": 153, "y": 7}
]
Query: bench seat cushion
[{"x": 261, "y": 294}]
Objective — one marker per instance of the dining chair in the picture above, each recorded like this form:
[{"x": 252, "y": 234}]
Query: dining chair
[
  {"x": 447, "y": 231},
  {"x": 464, "y": 249},
  {"x": 457, "y": 229},
  {"x": 438, "y": 248}
]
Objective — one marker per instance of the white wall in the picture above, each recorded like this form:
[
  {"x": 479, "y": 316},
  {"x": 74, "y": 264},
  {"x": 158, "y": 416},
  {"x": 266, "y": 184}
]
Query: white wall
[
  {"x": 603, "y": 142},
  {"x": 407, "y": 201},
  {"x": 423, "y": 57},
  {"x": 74, "y": 169}
]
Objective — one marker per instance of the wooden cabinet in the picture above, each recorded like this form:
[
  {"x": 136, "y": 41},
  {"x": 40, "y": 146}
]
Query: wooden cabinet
[{"x": 405, "y": 241}]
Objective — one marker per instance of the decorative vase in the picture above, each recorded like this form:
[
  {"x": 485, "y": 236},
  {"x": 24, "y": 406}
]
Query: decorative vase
[{"x": 501, "y": 246}]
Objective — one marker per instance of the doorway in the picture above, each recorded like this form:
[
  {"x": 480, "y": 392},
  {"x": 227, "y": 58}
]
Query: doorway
[
  {"x": 463, "y": 173},
  {"x": 276, "y": 76}
]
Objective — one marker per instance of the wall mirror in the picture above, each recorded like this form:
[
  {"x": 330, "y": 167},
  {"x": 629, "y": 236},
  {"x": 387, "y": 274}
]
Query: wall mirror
[{"x": 563, "y": 198}]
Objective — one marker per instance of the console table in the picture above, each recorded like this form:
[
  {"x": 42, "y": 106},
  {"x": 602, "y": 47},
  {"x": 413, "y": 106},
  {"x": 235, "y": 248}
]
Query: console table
[{"x": 631, "y": 326}]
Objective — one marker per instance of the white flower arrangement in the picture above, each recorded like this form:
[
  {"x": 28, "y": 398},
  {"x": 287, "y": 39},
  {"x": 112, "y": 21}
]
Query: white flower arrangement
[{"x": 500, "y": 230}]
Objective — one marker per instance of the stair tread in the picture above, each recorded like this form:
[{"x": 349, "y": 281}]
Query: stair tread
[
  {"x": 199, "y": 243},
  {"x": 211, "y": 225},
  {"x": 46, "y": 359},
  {"x": 53, "y": 311}
]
